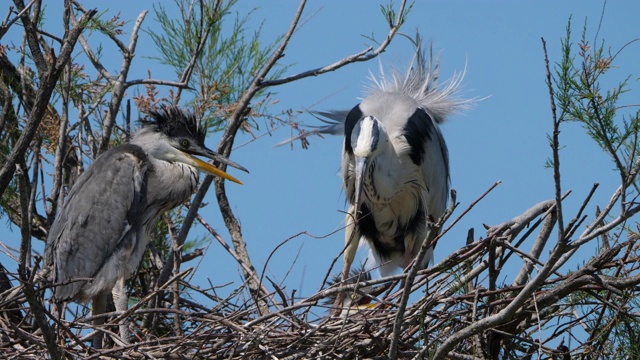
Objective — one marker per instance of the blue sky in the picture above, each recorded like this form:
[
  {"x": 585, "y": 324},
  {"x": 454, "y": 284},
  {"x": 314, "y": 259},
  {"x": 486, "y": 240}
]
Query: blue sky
[{"x": 503, "y": 138}]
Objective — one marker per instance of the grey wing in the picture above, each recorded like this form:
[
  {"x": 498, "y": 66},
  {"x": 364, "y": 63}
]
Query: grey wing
[
  {"x": 101, "y": 210},
  {"x": 333, "y": 119},
  {"x": 436, "y": 174},
  {"x": 435, "y": 171}
]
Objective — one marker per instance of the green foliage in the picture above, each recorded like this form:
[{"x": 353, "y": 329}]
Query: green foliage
[
  {"x": 227, "y": 61},
  {"x": 583, "y": 93},
  {"x": 581, "y": 97},
  {"x": 390, "y": 13},
  {"x": 110, "y": 27}
]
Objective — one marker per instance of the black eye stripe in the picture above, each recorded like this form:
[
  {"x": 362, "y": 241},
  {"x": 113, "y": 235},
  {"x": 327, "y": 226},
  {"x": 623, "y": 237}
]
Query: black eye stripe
[
  {"x": 352, "y": 119},
  {"x": 375, "y": 134}
]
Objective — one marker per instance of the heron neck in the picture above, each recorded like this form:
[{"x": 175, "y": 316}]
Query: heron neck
[{"x": 172, "y": 183}]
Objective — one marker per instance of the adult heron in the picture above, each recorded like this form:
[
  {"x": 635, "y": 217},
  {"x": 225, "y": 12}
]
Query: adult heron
[
  {"x": 395, "y": 163},
  {"x": 101, "y": 232}
]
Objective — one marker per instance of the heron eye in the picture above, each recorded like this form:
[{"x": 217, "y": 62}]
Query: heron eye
[{"x": 184, "y": 143}]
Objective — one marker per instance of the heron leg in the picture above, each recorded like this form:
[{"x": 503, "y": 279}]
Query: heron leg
[
  {"x": 351, "y": 238},
  {"x": 121, "y": 302},
  {"x": 99, "y": 306},
  {"x": 59, "y": 309},
  {"x": 408, "y": 257}
]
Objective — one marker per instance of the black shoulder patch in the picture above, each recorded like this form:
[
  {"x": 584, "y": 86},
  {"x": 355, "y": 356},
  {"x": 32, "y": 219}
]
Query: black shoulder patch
[
  {"x": 418, "y": 130},
  {"x": 353, "y": 117}
]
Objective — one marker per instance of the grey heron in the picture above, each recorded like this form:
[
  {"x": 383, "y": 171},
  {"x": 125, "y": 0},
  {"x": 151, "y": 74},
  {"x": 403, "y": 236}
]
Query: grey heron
[
  {"x": 100, "y": 234},
  {"x": 395, "y": 162}
]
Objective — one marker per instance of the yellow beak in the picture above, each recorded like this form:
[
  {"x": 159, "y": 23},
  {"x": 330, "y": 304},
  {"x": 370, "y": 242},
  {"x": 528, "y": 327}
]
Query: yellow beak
[{"x": 208, "y": 168}]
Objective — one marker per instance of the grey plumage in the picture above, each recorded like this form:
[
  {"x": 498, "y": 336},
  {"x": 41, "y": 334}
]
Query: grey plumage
[{"x": 100, "y": 234}]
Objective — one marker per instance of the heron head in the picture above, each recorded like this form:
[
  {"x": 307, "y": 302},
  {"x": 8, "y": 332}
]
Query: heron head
[
  {"x": 176, "y": 136},
  {"x": 364, "y": 142}
]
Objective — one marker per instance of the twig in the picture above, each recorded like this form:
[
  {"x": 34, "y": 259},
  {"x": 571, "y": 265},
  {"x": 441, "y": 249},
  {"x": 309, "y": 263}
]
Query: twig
[{"x": 555, "y": 144}]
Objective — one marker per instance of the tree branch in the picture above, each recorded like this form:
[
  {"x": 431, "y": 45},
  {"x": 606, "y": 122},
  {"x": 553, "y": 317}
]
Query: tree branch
[
  {"x": 120, "y": 83},
  {"x": 48, "y": 80}
]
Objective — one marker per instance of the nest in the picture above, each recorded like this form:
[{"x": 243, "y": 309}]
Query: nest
[{"x": 457, "y": 308}]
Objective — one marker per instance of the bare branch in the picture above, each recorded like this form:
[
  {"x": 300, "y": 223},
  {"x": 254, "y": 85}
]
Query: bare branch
[
  {"x": 536, "y": 250},
  {"x": 120, "y": 83},
  {"x": 179, "y": 85},
  {"x": 555, "y": 144},
  {"x": 361, "y": 56},
  {"x": 32, "y": 37}
]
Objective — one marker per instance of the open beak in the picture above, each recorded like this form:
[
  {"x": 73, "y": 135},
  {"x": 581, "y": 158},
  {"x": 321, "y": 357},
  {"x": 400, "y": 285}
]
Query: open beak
[
  {"x": 361, "y": 170},
  {"x": 209, "y": 168}
]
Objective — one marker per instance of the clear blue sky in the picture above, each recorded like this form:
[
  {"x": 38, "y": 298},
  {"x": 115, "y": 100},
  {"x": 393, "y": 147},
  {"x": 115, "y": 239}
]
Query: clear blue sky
[{"x": 503, "y": 138}]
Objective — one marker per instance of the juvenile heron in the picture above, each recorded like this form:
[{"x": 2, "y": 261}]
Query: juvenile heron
[
  {"x": 360, "y": 299},
  {"x": 395, "y": 164},
  {"x": 100, "y": 234}
]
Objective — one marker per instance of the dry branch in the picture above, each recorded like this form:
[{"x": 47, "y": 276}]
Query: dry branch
[{"x": 455, "y": 309}]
